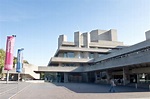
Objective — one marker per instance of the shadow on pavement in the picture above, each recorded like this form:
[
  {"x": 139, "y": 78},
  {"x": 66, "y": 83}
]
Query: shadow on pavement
[{"x": 98, "y": 88}]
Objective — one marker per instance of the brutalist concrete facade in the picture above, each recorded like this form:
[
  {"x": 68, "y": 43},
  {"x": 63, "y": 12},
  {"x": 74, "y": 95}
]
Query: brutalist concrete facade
[
  {"x": 83, "y": 51},
  {"x": 97, "y": 56}
]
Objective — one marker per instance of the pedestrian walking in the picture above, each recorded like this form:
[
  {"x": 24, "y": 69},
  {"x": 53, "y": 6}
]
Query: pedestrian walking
[{"x": 112, "y": 85}]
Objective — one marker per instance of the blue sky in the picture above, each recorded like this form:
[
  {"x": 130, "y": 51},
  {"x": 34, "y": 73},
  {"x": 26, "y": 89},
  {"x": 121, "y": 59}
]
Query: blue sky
[{"x": 38, "y": 23}]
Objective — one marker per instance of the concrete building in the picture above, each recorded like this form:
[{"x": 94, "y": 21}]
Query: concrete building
[{"x": 97, "y": 56}]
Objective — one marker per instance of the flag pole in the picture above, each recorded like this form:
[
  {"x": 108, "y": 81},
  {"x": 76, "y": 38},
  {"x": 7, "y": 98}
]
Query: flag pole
[
  {"x": 18, "y": 77},
  {"x": 7, "y": 77}
]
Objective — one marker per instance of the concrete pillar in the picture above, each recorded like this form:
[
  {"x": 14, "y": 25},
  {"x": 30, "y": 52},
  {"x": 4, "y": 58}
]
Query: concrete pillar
[
  {"x": 61, "y": 39},
  {"x": 65, "y": 77},
  {"x": 96, "y": 78},
  {"x": 60, "y": 64},
  {"x": 45, "y": 77},
  {"x": 77, "y": 39},
  {"x": 108, "y": 75},
  {"x": 23, "y": 77},
  {"x": 85, "y": 77},
  {"x": 40, "y": 75},
  {"x": 86, "y": 39},
  {"x": 137, "y": 78},
  {"x": 126, "y": 75}
]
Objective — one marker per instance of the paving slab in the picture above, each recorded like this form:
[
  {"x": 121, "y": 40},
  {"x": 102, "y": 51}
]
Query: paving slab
[{"x": 70, "y": 91}]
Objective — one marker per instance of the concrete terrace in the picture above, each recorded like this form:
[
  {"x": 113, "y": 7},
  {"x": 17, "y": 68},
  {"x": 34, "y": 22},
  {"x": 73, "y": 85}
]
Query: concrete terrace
[{"x": 25, "y": 90}]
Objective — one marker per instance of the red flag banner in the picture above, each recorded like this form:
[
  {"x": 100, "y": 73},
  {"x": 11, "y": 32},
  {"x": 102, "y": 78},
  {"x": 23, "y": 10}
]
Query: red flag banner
[{"x": 9, "y": 53}]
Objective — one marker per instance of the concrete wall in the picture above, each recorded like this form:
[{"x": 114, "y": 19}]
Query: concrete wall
[
  {"x": 27, "y": 70},
  {"x": 61, "y": 39},
  {"x": 129, "y": 49},
  {"x": 86, "y": 39},
  {"x": 135, "y": 58},
  {"x": 147, "y": 35},
  {"x": 106, "y": 44},
  {"x": 110, "y": 35},
  {"x": 106, "y": 36},
  {"x": 113, "y": 34},
  {"x": 94, "y": 35},
  {"x": 77, "y": 39}
]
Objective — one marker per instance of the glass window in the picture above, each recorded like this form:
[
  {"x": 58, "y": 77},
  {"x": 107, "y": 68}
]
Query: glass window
[
  {"x": 91, "y": 55},
  {"x": 81, "y": 55},
  {"x": 65, "y": 54},
  {"x": 68, "y": 64},
  {"x": 101, "y": 54},
  {"x": 70, "y": 54}
]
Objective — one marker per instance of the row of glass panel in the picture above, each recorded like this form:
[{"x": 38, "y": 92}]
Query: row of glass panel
[{"x": 81, "y": 55}]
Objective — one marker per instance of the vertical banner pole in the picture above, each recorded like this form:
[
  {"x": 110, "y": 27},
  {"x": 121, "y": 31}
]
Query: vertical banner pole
[
  {"x": 7, "y": 77},
  {"x": 18, "y": 77}
]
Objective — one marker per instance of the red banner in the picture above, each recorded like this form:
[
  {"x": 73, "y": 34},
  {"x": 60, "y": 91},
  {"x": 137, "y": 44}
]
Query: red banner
[{"x": 9, "y": 53}]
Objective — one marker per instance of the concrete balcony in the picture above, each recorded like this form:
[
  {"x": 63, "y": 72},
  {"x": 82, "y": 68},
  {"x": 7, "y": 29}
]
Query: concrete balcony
[
  {"x": 59, "y": 69},
  {"x": 68, "y": 43},
  {"x": 70, "y": 60},
  {"x": 74, "y": 49},
  {"x": 108, "y": 44}
]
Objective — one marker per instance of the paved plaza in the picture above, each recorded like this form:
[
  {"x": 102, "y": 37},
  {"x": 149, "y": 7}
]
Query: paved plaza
[{"x": 25, "y": 90}]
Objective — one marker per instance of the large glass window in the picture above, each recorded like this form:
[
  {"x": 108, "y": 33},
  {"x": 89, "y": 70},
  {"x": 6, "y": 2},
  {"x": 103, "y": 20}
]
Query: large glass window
[{"x": 69, "y": 54}]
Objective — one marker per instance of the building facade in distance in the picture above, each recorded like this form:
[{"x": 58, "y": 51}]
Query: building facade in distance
[{"x": 98, "y": 55}]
